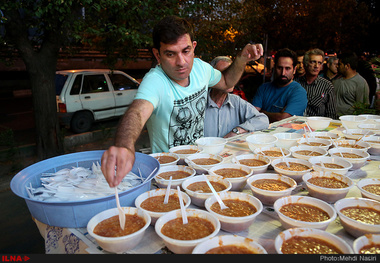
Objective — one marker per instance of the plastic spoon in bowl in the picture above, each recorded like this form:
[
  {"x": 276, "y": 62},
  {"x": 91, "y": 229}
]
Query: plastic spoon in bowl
[
  {"x": 283, "y": 157},
  {"x": 167, "y": 194},
  {"x": 221, "y": 204},
  {"x": 183, "y": 210},
  {"x": 121, "y": 212}
]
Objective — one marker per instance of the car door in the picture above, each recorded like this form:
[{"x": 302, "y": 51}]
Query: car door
[
  {"x": 96, "y": 96},
  {"x": 125, "y": 89}
]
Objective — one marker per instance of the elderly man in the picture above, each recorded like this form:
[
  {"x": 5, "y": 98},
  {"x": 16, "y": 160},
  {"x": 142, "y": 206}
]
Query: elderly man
[
  {"x": 227, "y": 114},
  {"x": 172, "y": 97},
  {"x": 320, "y": 92}
]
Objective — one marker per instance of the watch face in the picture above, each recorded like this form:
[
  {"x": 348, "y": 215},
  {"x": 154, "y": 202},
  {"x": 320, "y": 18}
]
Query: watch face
[{"x": 235, "y": 130}]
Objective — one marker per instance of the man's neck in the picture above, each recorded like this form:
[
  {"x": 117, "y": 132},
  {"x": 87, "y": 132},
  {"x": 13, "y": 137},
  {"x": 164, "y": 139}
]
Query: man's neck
[
  {"x": 218, "y": 97},
  {"x": 310, "y": 78},
  {"x": 350, "y": 74},
  {"x": 330, "y": 74}
]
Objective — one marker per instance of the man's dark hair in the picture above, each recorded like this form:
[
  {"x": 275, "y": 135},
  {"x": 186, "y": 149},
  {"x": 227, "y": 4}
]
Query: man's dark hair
[
  {"x": 286, "y": 52},
  {"x": 349, "y": 58},
  {"x": 169, "y": 29}
]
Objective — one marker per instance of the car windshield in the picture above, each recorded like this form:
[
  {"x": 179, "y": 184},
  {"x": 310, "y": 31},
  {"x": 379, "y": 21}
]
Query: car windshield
[{"x": 60, "y": 80}]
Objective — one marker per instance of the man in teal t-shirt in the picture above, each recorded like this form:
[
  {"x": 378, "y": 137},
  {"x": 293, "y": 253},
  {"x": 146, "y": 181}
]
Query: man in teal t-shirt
[
  {"x": 283, "y": 97},
  {"x": 172, "y": 97}
]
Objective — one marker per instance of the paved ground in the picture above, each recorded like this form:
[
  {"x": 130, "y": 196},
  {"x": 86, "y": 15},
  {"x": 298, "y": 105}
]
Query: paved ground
[{"x": 19, "y": 234}]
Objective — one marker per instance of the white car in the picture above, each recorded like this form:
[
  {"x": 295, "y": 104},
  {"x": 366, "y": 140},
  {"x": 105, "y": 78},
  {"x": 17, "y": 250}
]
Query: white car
[{"x": 88, "y": 95}]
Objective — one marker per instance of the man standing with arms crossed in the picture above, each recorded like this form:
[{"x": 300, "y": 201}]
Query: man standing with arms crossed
[{"x": 172, "y": 96}]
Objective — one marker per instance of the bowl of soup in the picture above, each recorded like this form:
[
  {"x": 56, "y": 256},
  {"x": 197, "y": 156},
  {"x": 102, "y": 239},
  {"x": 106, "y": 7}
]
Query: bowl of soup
[
  {"x": 315, "y": 142},
  {"x": 229, "y": 244},
  {"x": 257, "y": 162},
  {"x": 356, "y": 134},
  {"x": 305, "y": 152},
  {"x": 152, "y": 202},
  {"x": 105, "y": 229},
  {"x": 356, "y": 157},
  {"x": 179, "y": 173},
  {"x": 166, "y": 159},
  {"x": 212, "y": 145},
  {"x": 310, "y": 241},
  {"x": 369, "y": 188},
  {"x": 183, "y": 151},
  {"x": 304, "y": 211},
  {"x": 241, "y": 212},
  {"x": 367, "y": 244},
  {"x": 296, "y": 169},
  {"x": 374, "y": 142},
  {"x": 359, "y": 216},
  {"x": 352, "y": 144},
  {"x": 330, "y": 164},
  {"x": 202, "y": 162},
  {"x": 273, "y": 153},
  {"x": 237, "y": 174},
  {"x": 198, "y": 190},
  {"x": 329, "y": 187},
  {"x": 268, "y": 187},
  {"x": 331, "y": 136},
  {"x": 182, "y": 238}
]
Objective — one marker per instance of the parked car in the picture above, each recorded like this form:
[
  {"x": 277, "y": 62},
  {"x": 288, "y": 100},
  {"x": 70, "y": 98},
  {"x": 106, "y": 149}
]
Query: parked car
[{"x": 88, "y": 95}]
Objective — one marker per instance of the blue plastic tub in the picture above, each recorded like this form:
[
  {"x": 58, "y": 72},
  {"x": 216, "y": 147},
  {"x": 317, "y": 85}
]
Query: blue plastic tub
[{"x": 77, "y": 213}]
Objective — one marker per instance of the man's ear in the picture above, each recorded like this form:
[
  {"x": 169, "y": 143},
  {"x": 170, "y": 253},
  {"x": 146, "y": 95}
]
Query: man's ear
[{"x": 156, "y": 54}]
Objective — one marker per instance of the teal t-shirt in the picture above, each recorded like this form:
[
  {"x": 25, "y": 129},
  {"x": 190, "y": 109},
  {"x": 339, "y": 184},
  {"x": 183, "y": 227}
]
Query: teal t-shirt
[{"x": 178, "y": 115}]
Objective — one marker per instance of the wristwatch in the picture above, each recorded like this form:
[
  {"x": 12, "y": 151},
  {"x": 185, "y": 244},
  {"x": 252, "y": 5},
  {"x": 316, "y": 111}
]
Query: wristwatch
[{"x": 236, "y": 130}]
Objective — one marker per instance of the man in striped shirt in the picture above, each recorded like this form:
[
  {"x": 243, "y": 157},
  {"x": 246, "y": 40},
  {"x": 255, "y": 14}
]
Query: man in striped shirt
[{"x": 320, "y": 92}]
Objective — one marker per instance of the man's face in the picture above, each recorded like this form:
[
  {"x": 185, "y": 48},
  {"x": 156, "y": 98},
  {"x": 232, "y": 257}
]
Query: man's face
[
  {"x": 284, "y": 71},
  {"x": 177, "y": 59},
  {"x": 314, "y": 65},
  {"x": 333, "y": 67},
  {"x": 341, "y": 68},
  {"x": 300, "y": 66}
]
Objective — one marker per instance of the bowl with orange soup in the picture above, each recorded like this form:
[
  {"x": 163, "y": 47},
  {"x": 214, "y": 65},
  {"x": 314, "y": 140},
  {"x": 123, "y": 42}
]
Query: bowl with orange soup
[
  {"x": 356, "y": 157},
  {"x": 229, "y": 244},
  {"x": 268, "y": 187},
  {"x": 183, "y": 151},
  {"x": 237, "y": 174},
  {"x": 310, "y": 241},
  {"x": 166, "y": 158},
  {"x": 152, "y": 202},
  {"x": 296, "y": 169},
  {"x": 182, "y": 238},
  {"x": 257, "y": 162},
  {"x": 367, "y": 244},
  {"x": 359, "y": 216},
  {"x": 202, "y": 162},
  {"x": 369, "y": 188},
  {"x": 179, "y": 173},
  {"x": 105, "y": 229},
  {"x": 198, "y": 190},
  {"x": 241, "y": 212},
  {"x": 304, "y": 211}
]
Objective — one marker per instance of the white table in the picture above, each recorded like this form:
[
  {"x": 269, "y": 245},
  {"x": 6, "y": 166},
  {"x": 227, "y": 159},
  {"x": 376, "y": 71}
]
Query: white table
[{"x": 263, "y": 230}]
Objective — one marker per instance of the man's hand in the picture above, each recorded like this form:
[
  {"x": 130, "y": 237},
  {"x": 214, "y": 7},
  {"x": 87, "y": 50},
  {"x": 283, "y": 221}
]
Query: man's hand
[
  {"x": 119, "y": 157},
  {"x": 252, "y": 52}
]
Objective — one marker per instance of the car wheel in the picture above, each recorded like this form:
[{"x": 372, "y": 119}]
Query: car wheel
[{"x": 81, "y": 122}]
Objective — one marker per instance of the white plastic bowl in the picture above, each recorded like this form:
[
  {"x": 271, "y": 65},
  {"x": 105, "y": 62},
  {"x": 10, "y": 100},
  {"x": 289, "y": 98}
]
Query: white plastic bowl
[
  {"x": 255, "y": 169},
  {"x": 287, "y": 139},
  {"x": 352, "y": 121},
  {"x": 322, "y": 143},
  {"x": 356, "y": 162},
  {"x": 212, "y": 145},
  {"x": 368, "y": 181},
  {"x": 277, "y": 149},
  {"x": 260, "y": 140},
  {"x": 163, "y": 183},
  {"x": 370, "y": 118},
  {"x": 295, "y": 175},
  {"x": 312, "y": 149},
  {"x": 373, "y": 127},
  {"x": 318, "y": 123},
  {"x": 354, "y": 227},
  {"x": 157, "y": 155},
  {"x": 329, "y": 195},
  {"x": 356, "y": 134},
  {"x": 325, "y": 135},
  {"x": 364, "y": 145},
  {"x": 330, "y": 160},
  {"x": 310, "y": 232},
  {"x": 118, "y": 244},
  {"x": 238, "y": 183},
  {"x": 158, "y": 192},
  {"x": 368, "y": 239},
  {"x": 185, "y": 246},
  {"x": 235, "y": 224},
  {"x": 288, "y": 222},
  {"x": 268, "y": 197},
  {"x": 198, "y": 198},
  {"x": 202, "y": 169},
  {"x": 227, "y": 240},
  {"x": 182, "y": 156},
  {"x": 374, "y": 142}
]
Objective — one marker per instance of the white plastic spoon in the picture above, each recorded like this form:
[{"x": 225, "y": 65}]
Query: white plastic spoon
[
  {"x": 283, "y": 157},
  {"x": 222, "y": 205},
  {"x": 167, "y": 194},
  {"x": 183, "y": 210},
  {"x": 121, "y": 212}
]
